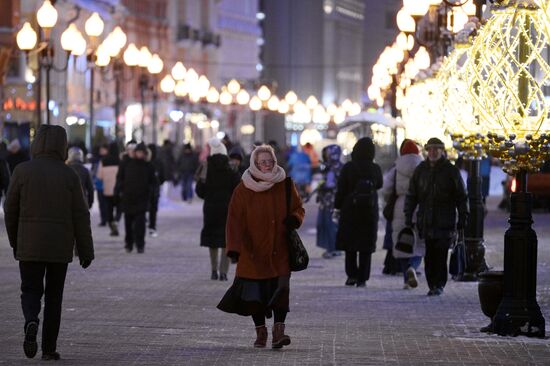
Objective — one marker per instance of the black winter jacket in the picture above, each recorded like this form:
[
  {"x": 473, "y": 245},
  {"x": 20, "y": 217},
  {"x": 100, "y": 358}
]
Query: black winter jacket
[
  {"x": 221, "y": 180},
  {"x": 45, "y": 212},
  {"x": 85, "y": 181},
  {"x": 439, "y": 193},
  {"x": 135, "y": 183}
]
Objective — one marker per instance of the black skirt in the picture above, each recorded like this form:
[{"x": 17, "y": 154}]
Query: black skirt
[{"x": 248, "y": 297}]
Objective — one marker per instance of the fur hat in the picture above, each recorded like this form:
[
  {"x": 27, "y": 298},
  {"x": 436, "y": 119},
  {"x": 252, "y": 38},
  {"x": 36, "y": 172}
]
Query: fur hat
[
  {"x": 216, "y": 146},
  {"x": 434, "y": 142}
]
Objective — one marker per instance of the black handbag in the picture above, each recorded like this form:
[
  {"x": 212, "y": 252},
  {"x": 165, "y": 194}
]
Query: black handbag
[
  {"x": 457, "y": 262},
  {"x": 387, "y": 212},
  {"x": 298, "y": 259}
]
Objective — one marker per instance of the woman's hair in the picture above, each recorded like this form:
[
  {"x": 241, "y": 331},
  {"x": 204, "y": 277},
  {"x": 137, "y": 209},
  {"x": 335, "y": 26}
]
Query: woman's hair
[{"x": 263, "y": 148}]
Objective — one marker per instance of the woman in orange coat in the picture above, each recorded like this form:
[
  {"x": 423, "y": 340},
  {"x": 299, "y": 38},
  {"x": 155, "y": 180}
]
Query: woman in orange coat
[{"x": 256, "y": 229}]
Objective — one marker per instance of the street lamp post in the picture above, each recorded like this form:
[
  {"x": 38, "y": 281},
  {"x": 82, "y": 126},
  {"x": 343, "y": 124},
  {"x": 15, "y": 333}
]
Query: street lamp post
[{"x": 512, "y": 109}]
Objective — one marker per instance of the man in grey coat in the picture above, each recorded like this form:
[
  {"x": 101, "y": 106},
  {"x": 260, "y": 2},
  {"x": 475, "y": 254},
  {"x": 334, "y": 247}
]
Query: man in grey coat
[{"x": 45, "y": 217}]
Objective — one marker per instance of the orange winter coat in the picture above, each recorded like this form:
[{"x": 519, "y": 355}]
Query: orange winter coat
[{"x": 256, "y": 231}]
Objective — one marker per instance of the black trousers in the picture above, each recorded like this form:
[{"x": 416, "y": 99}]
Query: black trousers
[
  {"x": 32, "y": 289},
  {"x": 360, "y": 272},
  {"x": 110, "y": 208},
  {"x": 279, "y": 316},
  {"x": 153, "y": 209},
  {"x": 134, "y": 223},
  {"x": 435, "y": 262}
]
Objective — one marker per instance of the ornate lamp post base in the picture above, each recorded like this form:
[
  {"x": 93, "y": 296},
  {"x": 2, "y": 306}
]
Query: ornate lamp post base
[{"x": 519, "y": 312}]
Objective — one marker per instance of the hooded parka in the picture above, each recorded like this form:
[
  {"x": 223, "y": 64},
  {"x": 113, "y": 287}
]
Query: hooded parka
[
  {"x": 358, "y": 229},
  {"x": 44, "y": 212}
]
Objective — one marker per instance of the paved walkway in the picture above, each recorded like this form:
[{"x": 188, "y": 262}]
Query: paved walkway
[{"x": 159, "y": 309}]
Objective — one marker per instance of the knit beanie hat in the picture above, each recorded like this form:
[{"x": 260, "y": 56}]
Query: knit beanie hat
[
  {"x": 216, "y": 146},
  {"x": 408, "y": 147}
]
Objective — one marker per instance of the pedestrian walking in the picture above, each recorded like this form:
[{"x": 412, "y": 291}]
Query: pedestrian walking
[
  {"x": 16, "y": 155},
  {"x": 216, "y": 191},
  {"x": 107, "y": 174},
  {"x": 98, "y": 183},
  {"x": 155, "y": 196},
  {"x": 75, "y": 160},
  {"x": 135, "y": 184},
  {"x": 326, "y": 192},
  {"x": 256, "y": 235},
  {"x": 396, "y": 186},
  {"x": 299, "y": 167},
  {"x": 356, "y": 211},
  {"x": 438, "y": 191},
  {"x": 188, "y": 163},
  {"x": 45, "y": 216}
]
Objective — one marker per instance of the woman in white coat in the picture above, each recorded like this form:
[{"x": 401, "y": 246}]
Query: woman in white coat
[{"x": 397, "y": 180}]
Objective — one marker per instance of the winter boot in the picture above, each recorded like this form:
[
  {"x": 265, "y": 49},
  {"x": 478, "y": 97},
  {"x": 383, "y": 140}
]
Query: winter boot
[
  {"x": 280, "y": 339},
  {"x": 114, "y": 228},
  {"x": 261, "y": 337},
  {"x": 30, "y": 346}
]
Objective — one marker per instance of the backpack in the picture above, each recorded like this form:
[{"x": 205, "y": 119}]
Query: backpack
[{"x": 364, "y": 194}]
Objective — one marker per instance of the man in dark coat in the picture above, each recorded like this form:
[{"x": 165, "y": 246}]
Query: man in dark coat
[
  {"x": 155, "y": 196},
  {"x": 15, "y": 155},
  {"x": 436, "y": 187},
  {"x": 135, "y": 184},
  {"x": 188, "y": 163},
  {"x": 76, "y": 162},
  {"x": 356, "y": 211},
  {"x": 45, "y": 216}
]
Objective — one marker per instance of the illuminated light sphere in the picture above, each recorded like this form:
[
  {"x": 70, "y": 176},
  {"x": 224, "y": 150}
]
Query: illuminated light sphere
[
  {"x": 355, "y": 109},
  {"x": 273, "y": 103},
  {"x": 402, "y": 41},
  {"x": 226, "y": 98},
  {"x": 102, "y": 56},
  {"x": 79, "y": 45},
  {"x": 310, "y": 135},
  {"x": 46, "y": 15},
  {"x": 26, "y": 37},
  {"x": 167, "y": 84},
  {"x": 145, "y": 57},
  {"x": 233, "y": 86},
  {"x": 68, "y": 37},
  {"x": 213, "y": 95},
  {"x": 416, "y": 8},
  {"x": 291, "y": 98},
  {"x": 94, "y": 25},
  {"x": 506, "y": 84},
  {"x": 284, "y": 108},
  {"x": 255, "y": 103},
  {"x": 311, "y": 102},
  {"x": 422, "y": 58},
  {"x": 191, "y": 76},
  {"x": 243, "y": 97},
  {"x": 264, "y": 93},
  {"x": 119, "y": 37},
  {"x": 203, "y": 86},
  {"x": 131, "y": 55},
  {"x": 156, "y": 65},
  {"x": 178, "y": 71},
  {"x": 405, "y": 22},
  {"x": 181, "y": 89},
  {"x": 347, "y": 105}
]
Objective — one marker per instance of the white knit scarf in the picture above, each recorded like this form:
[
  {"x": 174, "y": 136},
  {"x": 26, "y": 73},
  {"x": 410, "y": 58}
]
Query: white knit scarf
[{"x": 257, "y": 181}]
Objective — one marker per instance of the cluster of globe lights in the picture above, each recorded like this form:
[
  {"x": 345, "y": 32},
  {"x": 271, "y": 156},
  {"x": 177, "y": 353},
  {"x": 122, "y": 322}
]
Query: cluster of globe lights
[
  {"x": 185, "y": 82},
  {"x": 506, "y": 71},
  {"x": 182, "y": 81}
]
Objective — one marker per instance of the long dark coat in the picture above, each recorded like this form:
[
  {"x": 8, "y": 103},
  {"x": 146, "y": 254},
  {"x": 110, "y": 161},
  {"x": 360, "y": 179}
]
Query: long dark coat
[
  {"x": 45, "y": 212},
  {"x": 216, "y": 191},
  {"x": 357, "y": 230},
  {"x": 440, "y": 194}
]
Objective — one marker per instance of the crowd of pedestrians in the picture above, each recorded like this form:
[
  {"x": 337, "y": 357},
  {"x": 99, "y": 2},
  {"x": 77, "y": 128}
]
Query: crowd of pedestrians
[{"x": 245, "y": 215}]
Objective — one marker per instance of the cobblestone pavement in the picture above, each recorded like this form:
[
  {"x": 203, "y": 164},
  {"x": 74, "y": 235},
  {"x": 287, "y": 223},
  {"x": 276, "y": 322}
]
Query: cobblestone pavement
[{"x": 160, "y": 309}]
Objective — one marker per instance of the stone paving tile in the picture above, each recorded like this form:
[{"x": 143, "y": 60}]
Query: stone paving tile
[{"x": 159, "y": 309}]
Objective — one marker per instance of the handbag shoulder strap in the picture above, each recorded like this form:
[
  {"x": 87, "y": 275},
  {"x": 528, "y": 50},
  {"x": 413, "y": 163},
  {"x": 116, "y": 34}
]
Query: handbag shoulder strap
[{"x": 288, "y": 182}]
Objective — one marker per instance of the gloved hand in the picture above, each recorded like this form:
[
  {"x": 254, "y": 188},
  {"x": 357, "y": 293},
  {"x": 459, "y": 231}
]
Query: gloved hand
[
  {"x": 336, "y": 216},
  {"x": 234, "y": 256},
  {"x": 85, "y": 263},
  {"x": 291, "y": 222}
]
